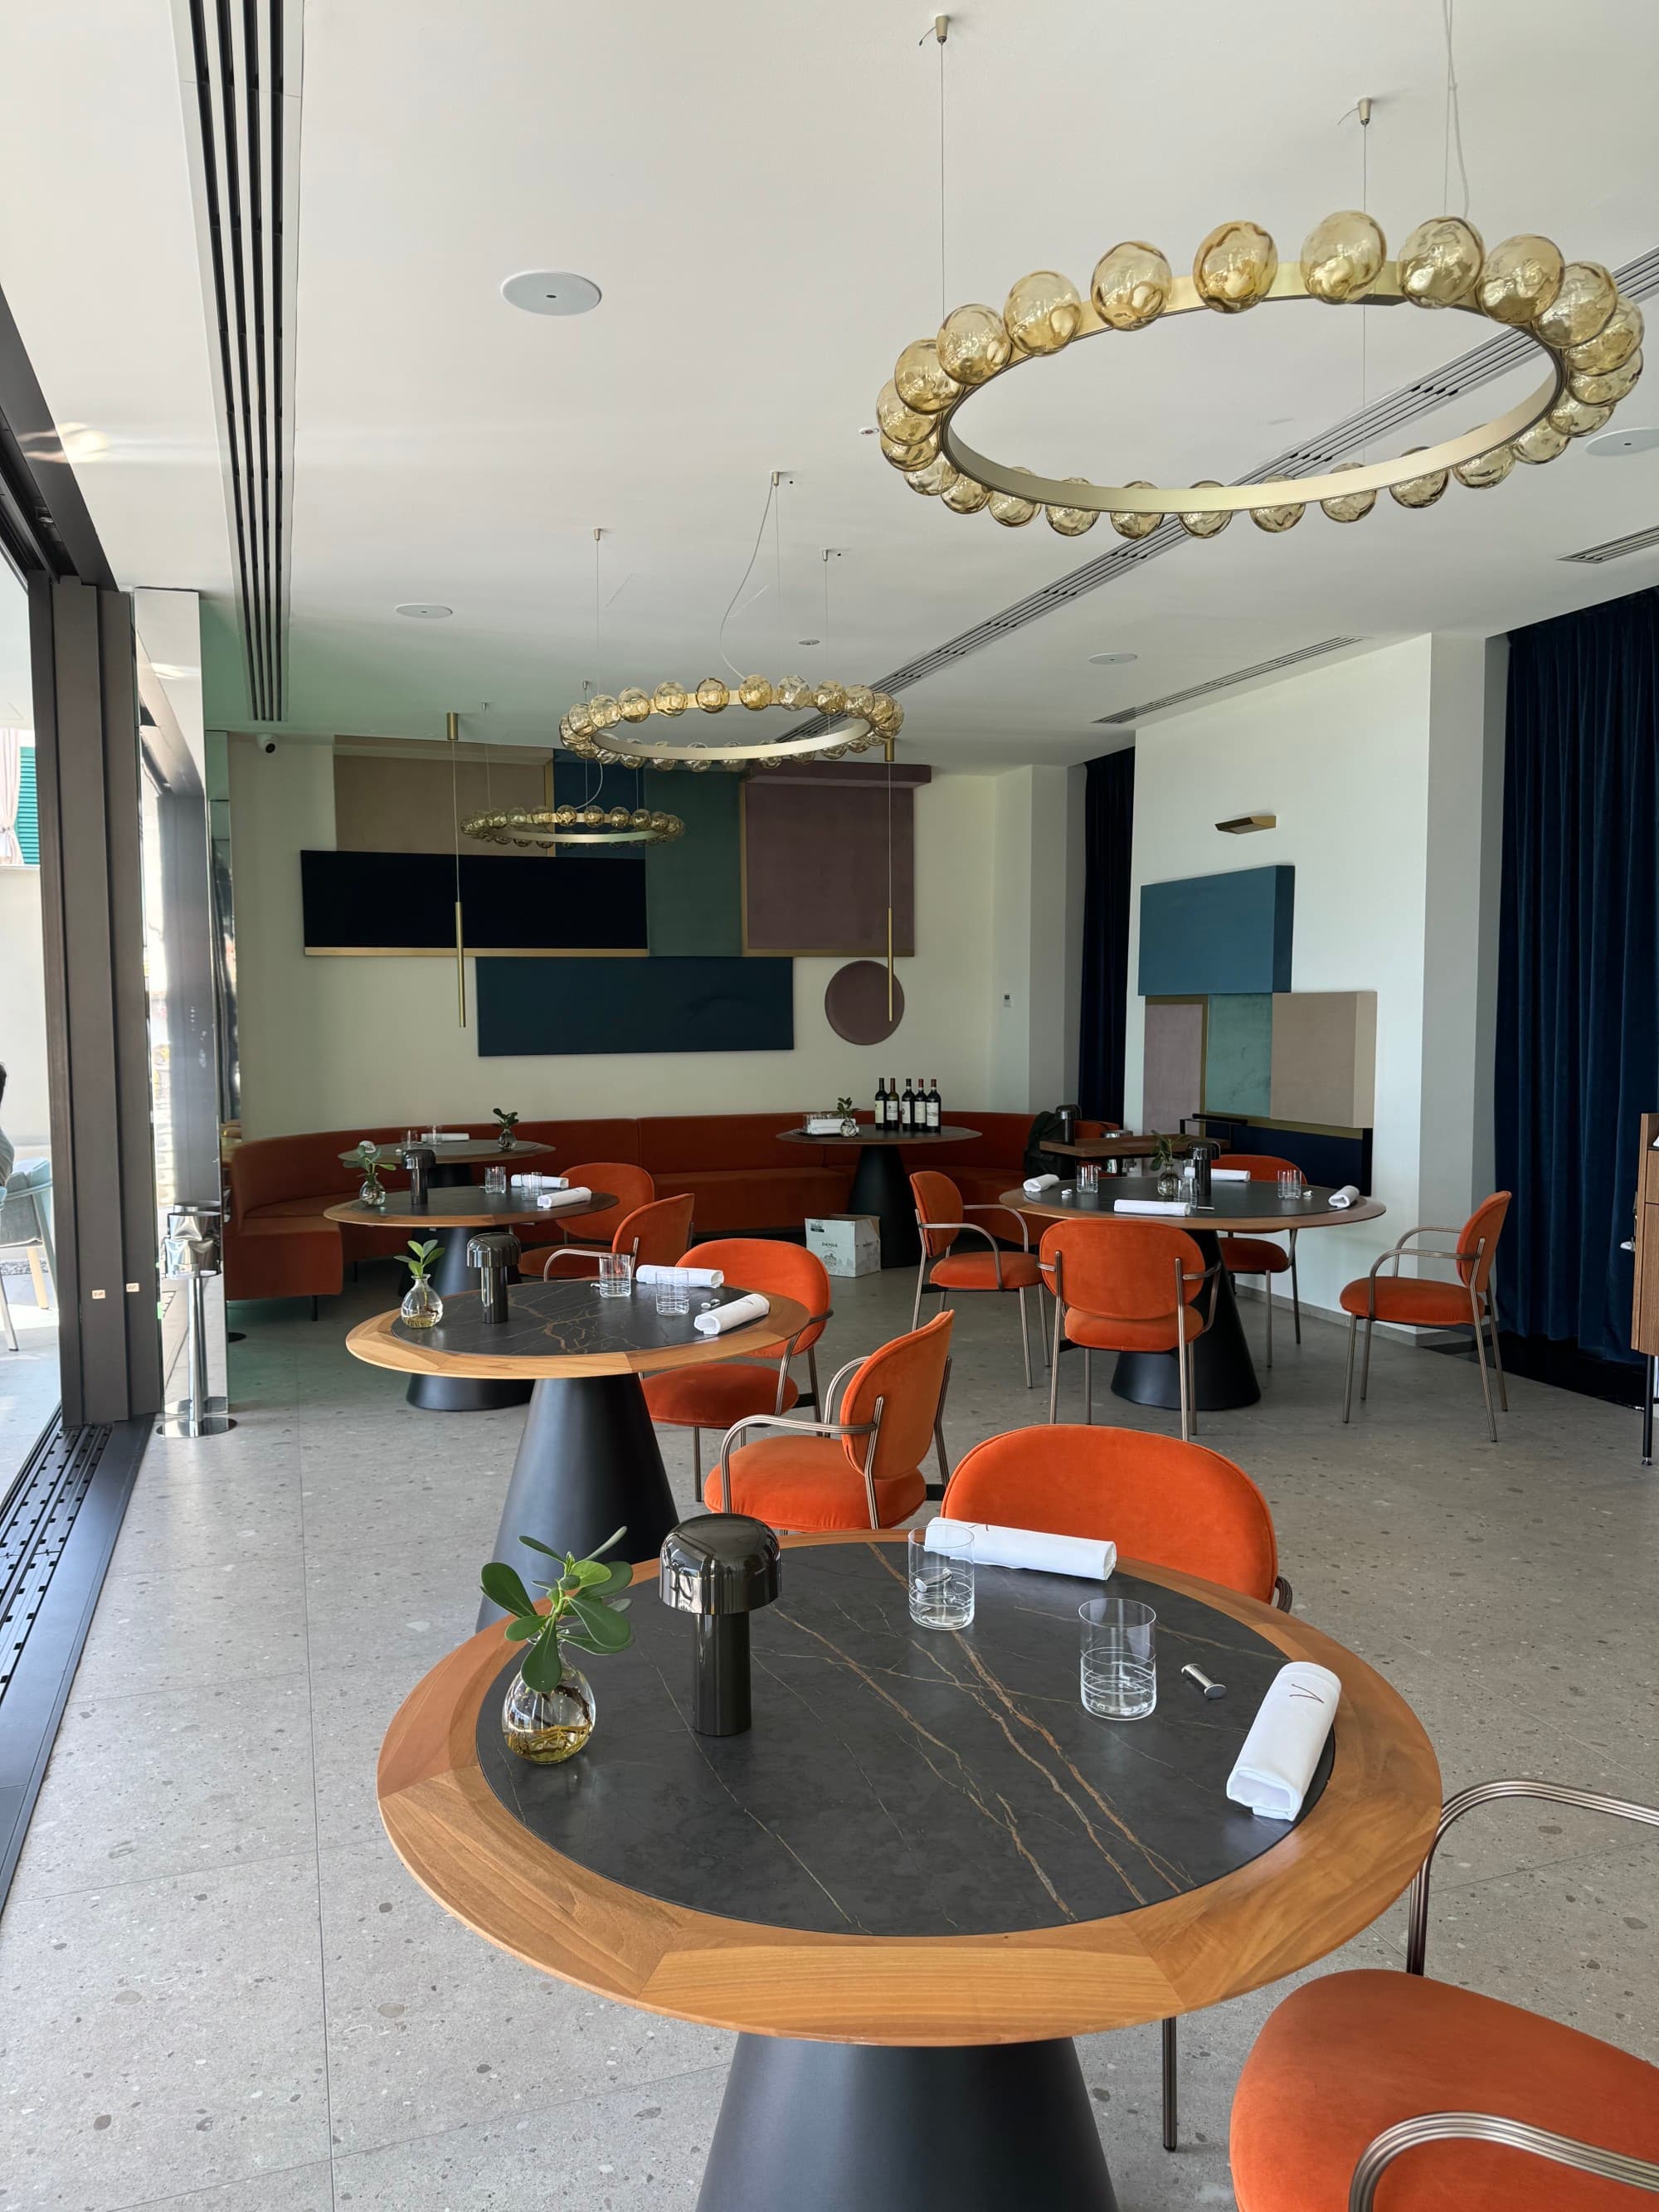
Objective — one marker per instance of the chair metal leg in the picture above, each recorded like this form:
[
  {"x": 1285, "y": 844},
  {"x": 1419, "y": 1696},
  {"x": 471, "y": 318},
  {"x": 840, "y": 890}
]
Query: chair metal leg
[
  {"x": 922, "y": 1280},
  {"x": 1365, "y": 1363},
  {"x": 1486, "y": 1387},
  {"x": 1347, "y": 1387},
  {"x": 1171, "y": 2088},
  {"x": 1184, "y": 1388},
  {"x": 1296, "y": 1291},
  {"x": 1267, "y": 1293},
  {"x": 37, "y": 1276},
  {"x": 1053, "y": 1367},
  {"x": 5, "y": 1316},
  {"x": 1088, "y": 1385},
  {"x": 696, "y": 1462},
  {"x": 812, "y": 1373},
  {"x": 1497, "y": 1349},
  {"x": 938, "y": 1447},
  {"x": 1025, "y": 1339}
]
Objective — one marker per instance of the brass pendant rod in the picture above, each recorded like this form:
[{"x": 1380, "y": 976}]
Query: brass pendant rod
[{"x": 453, "y": 730}]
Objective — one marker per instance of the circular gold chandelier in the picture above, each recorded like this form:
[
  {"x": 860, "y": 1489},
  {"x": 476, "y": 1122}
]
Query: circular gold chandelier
[
  {"x": 859, "y": 718},
  {"x": 1588, "y": 334},
  {"x": 548, "y": 827}
]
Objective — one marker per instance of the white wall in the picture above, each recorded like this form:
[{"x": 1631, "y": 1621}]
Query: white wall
[
  {"x": 25, "y": 1114},
  {"x": 1374, "y": 768},
  {"x": 1036, "y": 937},
  {"x": 330, "y": 1042}
]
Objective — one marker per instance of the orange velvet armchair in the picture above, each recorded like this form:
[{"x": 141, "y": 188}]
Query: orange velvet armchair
[
  {"x": 630, "y": 1188},
  {"x": 941, "y": 1218},
  {"x": 654, "y": 1235},
  {"x": 1419, "y": 1302},
  {"x": 714, "y": 1397},
  {"x": 1357, "y": 2071},
  {"x": 1260, "y": 1255},
  {"x": 860, "y": 1470},
  {"x": 1124, "y": 1286}
]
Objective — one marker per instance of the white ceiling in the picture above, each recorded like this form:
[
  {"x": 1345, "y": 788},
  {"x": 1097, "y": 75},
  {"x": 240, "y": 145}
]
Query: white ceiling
[{"x": 755, "y": 184}]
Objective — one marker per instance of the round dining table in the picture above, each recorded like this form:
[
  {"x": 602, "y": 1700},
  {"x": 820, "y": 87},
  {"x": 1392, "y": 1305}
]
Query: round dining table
[
  {"x": 1223, "y": 1374},
  {"x": 881, "y": 1183},
  {"x": 587, "y": 1463},
  {"x": 447, "y": 1208},
  {"x": 1117, "y": 1145},
  {"x": 922, "y": 1871},
  {"x": 453, "y": 1163}
]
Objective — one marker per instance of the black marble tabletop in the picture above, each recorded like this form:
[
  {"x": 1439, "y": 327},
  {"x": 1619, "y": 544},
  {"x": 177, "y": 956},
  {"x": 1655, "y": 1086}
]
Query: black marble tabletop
[
  {"x": 565, "y": 1316},
  {"x": 1243, "y": 1201},
  {"x": 902, "y": 1781}
]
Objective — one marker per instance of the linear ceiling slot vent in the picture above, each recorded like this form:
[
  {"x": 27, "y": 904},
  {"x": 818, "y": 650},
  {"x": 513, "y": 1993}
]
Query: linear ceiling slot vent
[
  {"x": 240, "y": 65},
  {"x": 1616, "y": 548},
  {"x": 1225, "y": 683}
]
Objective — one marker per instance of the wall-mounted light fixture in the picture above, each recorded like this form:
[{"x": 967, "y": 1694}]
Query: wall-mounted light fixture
[{"x": 1242, "y": 824}]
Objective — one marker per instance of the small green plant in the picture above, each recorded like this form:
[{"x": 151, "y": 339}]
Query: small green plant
[
  {"x": 844, "y": 1107},
  {"x": 1163, "y": 1157},
  {"x": 508, "y": 1122},
  {"x": 368, "y": 1154},
  {"x": 419, "y": 1258},
  {"x": 586, "y": 1609}
]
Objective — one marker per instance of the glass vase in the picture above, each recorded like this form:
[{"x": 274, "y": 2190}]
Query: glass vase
[
  {"x": 549, "y": 1727},
  {"x": 1169, "y": 1183},
  {"x": 422, "y": 1308},
  {"x": 505, "y": 1139},
  {"x": 373, "y": 1192}
]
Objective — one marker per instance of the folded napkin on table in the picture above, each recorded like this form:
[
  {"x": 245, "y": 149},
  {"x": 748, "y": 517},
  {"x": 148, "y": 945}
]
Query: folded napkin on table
[
  {"x": 1035, "y": 1185},
  {"x": 444, "y": 1137},
  {"x": 1151, "y": 1206},
  {"x": 1230, "y": 1174},
  {"x": 1286, "y": 1740},
  {"x": 719, "y": 1319},
  {"x": 549, "y": 1201},
  {"x": 702, "y": 1278},
  {"x": 1348, "y": 1195},
  {"x": 1090, "y": 1558},
  {"x": 542, "y": 1183},
  {"x": 823, "y": 1125}
]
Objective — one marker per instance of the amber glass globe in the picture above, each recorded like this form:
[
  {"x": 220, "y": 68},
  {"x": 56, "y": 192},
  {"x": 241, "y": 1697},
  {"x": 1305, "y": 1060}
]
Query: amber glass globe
[
  {"x": 1440, "y": 262},
  {"x": 670, "y": 698},
  {"x": 1519, "y": 279},
  {"x": 938, "y": 477},
  {"x": 974, "y": 344},
  {"x": 1072, "y": 521},
  {"x": 1612, "y": 345},
  {"x": 1348, "y": 506},
  {"x": 964, "y": 496},
  {"x": 579, "y": 720},
  {"x": 616, "y": 818},
  {"x": 603, "y": 713},
  {"x": 1274, "y": 519},
  {"x": 1419, "y": 491},
  {"x": 887, "y": 715},
  {"x": 754, "y": 692},
  {"x": 794, "y": 691},
  {"x": 860, "y": 700},
  {"x": 1042, "y": 312},
  {"x": 902, "y": 424},
  {"x": 1131, "y": 525},
  {"x": 1578, "y": 417},
  {"x": 831, "y": 697},
  {"x": 1011, "y": 513},
  {"x": 909, "y": 457},
  {"x": 1614, "y": 385},
  {"x": 1234, "y": 268},
  {"x": 919, "y": 381},
  {"x": 1541, "y": 443},
  {"x": 712, "y": 694},
  {"x": 1341, "y": 257},
  {"x": 1581, "y": 307},
  {"x": 1131, "y": 285},
  {"x": 636, "y": 707},
  {"x": 1486, "y": 469},
  {"x": 1206, "y": 522}
]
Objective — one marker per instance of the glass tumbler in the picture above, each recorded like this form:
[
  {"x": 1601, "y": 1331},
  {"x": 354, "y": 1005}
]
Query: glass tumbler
[
  {"x": 495, "y": 1181},
  {"x": 1119, "y": 1658},
  {"x": 1289, "y": 1183},
  {"x": 1088, "y": 1175},
  {"x": 941, "y": 1578},
  {"x": 673, "y": 1294},
  {"x": 616, "y": 1274}
]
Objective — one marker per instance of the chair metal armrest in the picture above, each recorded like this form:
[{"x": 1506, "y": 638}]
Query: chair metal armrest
[
  {"x": 1283, "y": 1595},
  {"x": 847, "y": 1367},
  {"x": 1487, "y": 1792},
  {"x": 835, "y": 1428},
  {"x": 1490, "y": 2127},
  {"x": 1013, "y": 1215},
  {"x": 813, "y": 1320},
  {"x": 962, "y": 1228},
  {"x": 568, "y": 1252}
]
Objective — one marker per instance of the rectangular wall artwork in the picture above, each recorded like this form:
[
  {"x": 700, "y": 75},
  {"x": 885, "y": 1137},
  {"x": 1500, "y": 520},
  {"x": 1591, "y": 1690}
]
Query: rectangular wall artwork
[
  {"x": 1172, "y": 1082},
  {"x": 1217, "y": 933},
  {"x": 1324, "y": 1059},
  {"x": 528, "y": 1006}
]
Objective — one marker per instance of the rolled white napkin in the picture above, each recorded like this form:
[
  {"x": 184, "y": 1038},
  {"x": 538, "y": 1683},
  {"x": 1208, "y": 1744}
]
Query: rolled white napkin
[
  {"x": 545, "y": 1182},
  {"x": 444, "y": 1137},
  {"x": 719, "y": 1319},
  {"x": 1230, "y": 1174},
  {"x": 1151, "y": 1206},
  {"x": 1347, "y": 1196},
  {"x": 561, "y": 1202},
  {"x": 1035, "y": 1185},
  {"x": 823, "y": 1125},
  {"x": 1090, "y": 1558},
  {"x": 1286, "y": 1737},
  {"x": 700, "y": 1278}
]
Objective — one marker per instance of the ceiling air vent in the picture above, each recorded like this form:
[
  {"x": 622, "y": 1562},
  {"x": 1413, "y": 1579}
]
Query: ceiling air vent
[
  {"x": 1616, "y": 548},
  {"x": 1225, "y": 683}
]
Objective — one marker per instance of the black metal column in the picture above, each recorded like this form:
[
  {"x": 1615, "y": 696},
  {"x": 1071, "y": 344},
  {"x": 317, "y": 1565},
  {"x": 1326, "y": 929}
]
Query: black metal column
[
  {"x": 457, "y": 1393},
  {"x": 881, "y": 1186}
]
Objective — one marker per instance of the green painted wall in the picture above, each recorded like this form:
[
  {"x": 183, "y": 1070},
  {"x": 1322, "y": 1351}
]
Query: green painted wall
[{"x": 1238, "y": 1053}]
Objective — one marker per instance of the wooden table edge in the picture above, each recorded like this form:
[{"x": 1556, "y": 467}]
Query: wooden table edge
[
  {"x": 1228, "y": 1225},
  {"x": 373, "y": 1342},
  {"x": 441, "y": 1216},
  {"x": 1220, "y": 1941}
]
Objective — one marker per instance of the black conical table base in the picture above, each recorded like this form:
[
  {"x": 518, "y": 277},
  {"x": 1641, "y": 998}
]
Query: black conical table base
[{"x": 458, "y": 1394}]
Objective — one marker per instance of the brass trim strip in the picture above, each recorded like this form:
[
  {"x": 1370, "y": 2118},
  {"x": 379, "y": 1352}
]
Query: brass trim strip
[{"x": 478, "y": 952}]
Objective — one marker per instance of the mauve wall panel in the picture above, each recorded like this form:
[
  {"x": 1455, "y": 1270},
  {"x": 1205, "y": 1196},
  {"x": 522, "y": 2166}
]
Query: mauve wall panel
[{"x": 815, "y": 857}]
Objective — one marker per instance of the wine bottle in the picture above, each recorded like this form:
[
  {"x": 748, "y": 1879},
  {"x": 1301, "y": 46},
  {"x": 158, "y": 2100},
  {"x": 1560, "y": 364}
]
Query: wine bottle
[
  {"x": 892, "y": 1102},
  {"x": 935, "y": 1106},
  {"x": 881, "y": 1103},
  {"x": 908, "y": 1106}
]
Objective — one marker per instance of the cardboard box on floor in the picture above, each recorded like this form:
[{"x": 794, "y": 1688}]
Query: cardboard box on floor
[{"x": 848, "y": 1243}]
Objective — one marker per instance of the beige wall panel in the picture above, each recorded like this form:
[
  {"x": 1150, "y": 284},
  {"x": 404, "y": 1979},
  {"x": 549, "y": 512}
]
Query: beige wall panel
[{"x": 1324, "y": 1066}]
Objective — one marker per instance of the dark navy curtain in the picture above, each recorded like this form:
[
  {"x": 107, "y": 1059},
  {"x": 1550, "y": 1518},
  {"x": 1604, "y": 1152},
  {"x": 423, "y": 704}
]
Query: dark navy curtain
[
  {"x": 1577, "y": 1055},
  {"x": 1108, "y": 834}
]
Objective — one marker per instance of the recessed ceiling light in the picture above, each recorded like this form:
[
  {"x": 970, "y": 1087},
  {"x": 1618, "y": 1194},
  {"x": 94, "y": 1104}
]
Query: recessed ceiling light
[
  {"x": 1613, "y": 444},
  {"x": 1111, "y": 659},
  {"x": 809, "y": 641},
  {"x": 423, "y": 611},
  {"x": 550, "y": 292}
]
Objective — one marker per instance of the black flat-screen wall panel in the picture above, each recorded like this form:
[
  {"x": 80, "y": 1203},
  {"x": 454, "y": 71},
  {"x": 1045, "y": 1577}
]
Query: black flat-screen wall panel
[
  {"x": 695, "y": 1004},
  {"x": 405, "y": 903}
]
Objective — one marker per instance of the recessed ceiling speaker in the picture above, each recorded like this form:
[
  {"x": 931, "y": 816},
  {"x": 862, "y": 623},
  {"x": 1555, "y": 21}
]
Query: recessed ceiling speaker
[
  {"x": 423, "y": 611},
  {"x": 855, "y": 1003},
  {"x": 551, "y": 292},
  {"x": 1613, "y": 444}
]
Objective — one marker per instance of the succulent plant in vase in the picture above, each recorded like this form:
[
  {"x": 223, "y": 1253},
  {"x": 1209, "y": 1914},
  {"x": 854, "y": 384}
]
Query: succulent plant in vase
[
  {"x": 849, "y": 1120},
  {"x": 506, "y": 1123},
  {"x": 422, "y": 1308},
  {"x": 548, "y": 1712},
  {"x": 371, "y": 1191},
  {"x": 1163, "y": 1167}
]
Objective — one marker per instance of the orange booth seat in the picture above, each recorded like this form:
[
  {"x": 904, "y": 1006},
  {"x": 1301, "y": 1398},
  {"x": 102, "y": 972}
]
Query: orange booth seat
[{"x": 740, "y": 1177}]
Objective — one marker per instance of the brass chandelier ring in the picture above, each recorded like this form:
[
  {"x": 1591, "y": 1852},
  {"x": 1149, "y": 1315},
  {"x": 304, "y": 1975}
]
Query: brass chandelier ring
[
  {"x": 546, "y": 827},
  {"x": 602, "y": 729}
]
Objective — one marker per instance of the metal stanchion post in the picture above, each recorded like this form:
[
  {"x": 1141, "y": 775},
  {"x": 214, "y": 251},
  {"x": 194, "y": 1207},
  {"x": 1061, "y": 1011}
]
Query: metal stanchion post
[{"x": 189, "y": 1254}]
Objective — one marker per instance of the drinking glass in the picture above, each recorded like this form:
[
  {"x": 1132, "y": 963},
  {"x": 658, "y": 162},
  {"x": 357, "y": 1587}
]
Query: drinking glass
[
  {"x": 495, "y": 1181},
  {"x": 412, "y": 1137},
  {"x": 616, "y": 1274},
  {"x": 1289, "y": 1183},
  {"x": 673, "y": 1294},
  {"x": 942, "y": 1578},
  {"x": 532, "y": 1185},
  {"x": 1119, "y": 1658},
  {"x": 1088, "y": 1175}
]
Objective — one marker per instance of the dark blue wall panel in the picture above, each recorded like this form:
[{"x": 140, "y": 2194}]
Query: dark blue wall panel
[
  {"x": 636, "y": 1005},
  {"x": 1217, "y": 933}
]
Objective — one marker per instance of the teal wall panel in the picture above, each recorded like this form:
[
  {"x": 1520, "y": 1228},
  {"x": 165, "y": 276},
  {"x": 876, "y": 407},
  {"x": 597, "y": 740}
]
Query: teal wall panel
[
  {"x": 1238, "y": 1053},
  {"x": 1224, "y": 932},
  {"x": 693, "y": 888}
]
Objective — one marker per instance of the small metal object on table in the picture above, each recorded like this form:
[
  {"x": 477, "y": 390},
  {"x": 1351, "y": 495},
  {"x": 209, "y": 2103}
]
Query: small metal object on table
[
  {"x": 1223, "y": 1374},
  {"x": 454, "y": 1163},
  {"x": 479, "y": 1210},
  {"x": 720, "y": 1568},
  {"x": 881, "y": 1183},
  {"x": 588, "y": 1462},
  {"x": 795, "y": 1883}
]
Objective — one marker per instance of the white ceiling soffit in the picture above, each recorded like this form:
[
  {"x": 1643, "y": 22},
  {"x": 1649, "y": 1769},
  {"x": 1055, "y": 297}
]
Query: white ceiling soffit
[{"x": 240, "y": 72}]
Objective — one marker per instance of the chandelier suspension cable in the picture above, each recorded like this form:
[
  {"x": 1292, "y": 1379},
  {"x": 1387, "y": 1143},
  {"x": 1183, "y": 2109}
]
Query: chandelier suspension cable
[
  {"x": 1453, "y": 136},
  {"x": 754, "y": 555},
  {"x": 453, "y": 731},
  {"x": 941, "y": 30}
]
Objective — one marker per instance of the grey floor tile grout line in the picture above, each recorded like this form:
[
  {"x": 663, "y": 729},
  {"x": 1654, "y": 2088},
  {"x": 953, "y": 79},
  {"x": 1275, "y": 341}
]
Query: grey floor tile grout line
[
  {"x": 29, "y": 1898},
  {"x": 316, "y": 1860},
  {"x": 218, "y": 2188}
]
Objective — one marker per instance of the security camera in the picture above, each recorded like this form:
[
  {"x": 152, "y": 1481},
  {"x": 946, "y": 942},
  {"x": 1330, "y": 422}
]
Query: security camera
[{"x": 269, "y": 745}]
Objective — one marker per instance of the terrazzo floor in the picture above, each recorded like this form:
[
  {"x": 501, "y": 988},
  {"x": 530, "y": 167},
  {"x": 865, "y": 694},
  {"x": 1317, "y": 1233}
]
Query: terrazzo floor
[{"x": 220, "y": 1992}]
